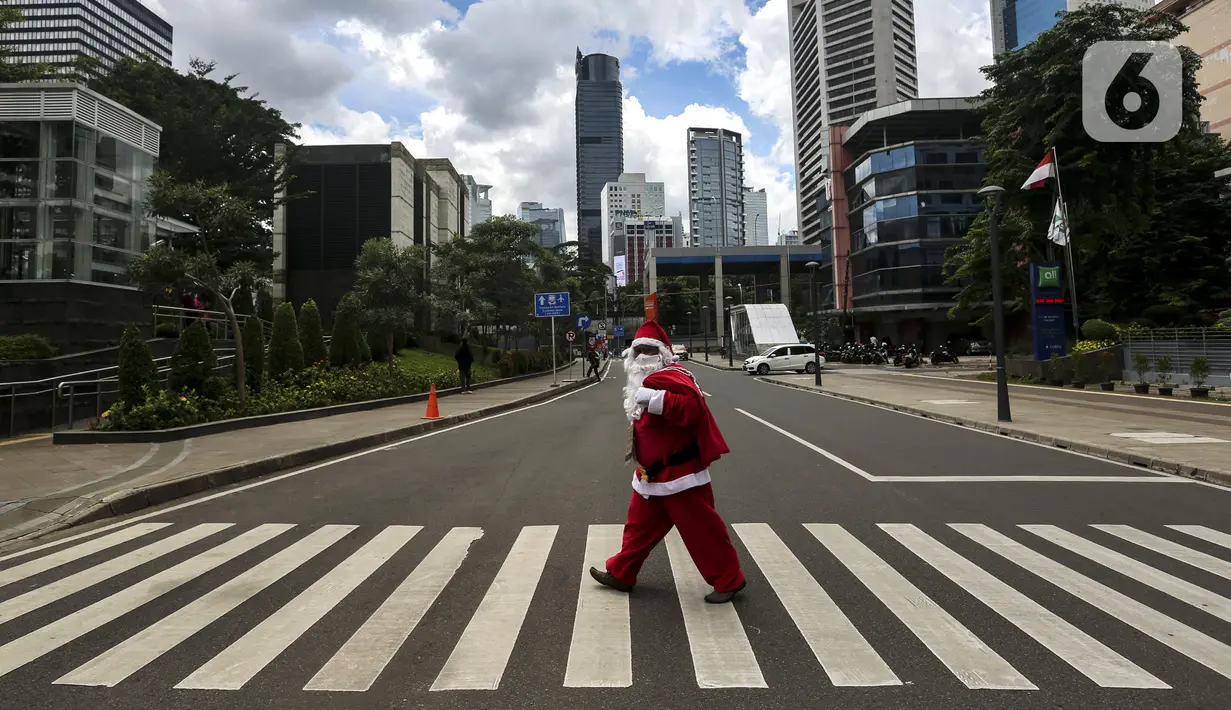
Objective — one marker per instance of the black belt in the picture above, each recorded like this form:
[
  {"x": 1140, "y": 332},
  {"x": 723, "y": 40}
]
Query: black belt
[{"x": 688, "y": 454}]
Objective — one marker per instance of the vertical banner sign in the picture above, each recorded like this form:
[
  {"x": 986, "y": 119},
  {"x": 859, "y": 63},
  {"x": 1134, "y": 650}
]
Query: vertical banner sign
[
  {"x": 651, "y": 306},
  {"x": 620, "y": 267},
  {"x": 1047, "y": 309}
]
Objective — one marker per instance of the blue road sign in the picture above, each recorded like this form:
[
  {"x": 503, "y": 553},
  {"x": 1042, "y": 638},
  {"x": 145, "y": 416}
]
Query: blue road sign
[
  {"x": 618, "y": 330},
  {"x": 551, "y": 305},
  {"x": 583, "y": 321}
]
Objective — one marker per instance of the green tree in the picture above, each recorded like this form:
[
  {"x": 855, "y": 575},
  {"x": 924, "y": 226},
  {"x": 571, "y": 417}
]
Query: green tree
[
  {"x": 388, "y": 290},
  {"x": 254, "y": 354},
  {"x": 1145, "y": 218},
  {"x": 484, "y": 278},
  {"x": 285, "y": 350},
  {"x": 214, "y": 133},
  {"x": 311, "y": 336},
  {"x": 137, "y": 369},
  {"x": 345, "y": 345},
  {"x": 193, "y": 361},
  {"x": 220, "y": 217}
]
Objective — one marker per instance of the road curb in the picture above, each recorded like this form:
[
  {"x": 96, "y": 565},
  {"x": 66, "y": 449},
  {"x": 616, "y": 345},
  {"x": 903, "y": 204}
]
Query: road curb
[
  {"x": 130, "y": 501},
  {"x": 720, "y": 368},
  {"x": 1221, "y": 478}
]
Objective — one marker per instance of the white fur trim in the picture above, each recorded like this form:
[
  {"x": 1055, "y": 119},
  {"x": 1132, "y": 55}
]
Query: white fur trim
[
  {"x": 666, "y": 488},
  {"x": 657, "y": 402}
]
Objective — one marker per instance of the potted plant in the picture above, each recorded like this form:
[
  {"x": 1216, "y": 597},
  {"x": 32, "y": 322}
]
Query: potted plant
[
  {"x": 1107, "y": 360},
  {"x": 1079, "y": 371},
  {"x": 1141, "y": 365},
  {"x": 1198, "y": 372},
  {"x": 1054, "y": 376},
  {"x": 1162, "y": 366}
]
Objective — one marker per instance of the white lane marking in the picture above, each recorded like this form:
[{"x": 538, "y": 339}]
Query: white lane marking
[
  {"x": 963, "y": 653},
  {"x": 949, "y": 401},
  {"x": 179, "y": 458},
  {"x": 239, "y": 662},
  {"x": 722, "y": 657},
  {"x": 85, "y": 549},
  {"x": 42, "y": 596},
  {"x": 962, "y": 479},
  {"x": 1049, "y": 447},
  {"x": 1204, "y": 533},
  {"x": 1174, "y": 550},
  {"x": 121, "y": 661},
  {"x": 64, "y": 630},
  {"x": 1166, "y": 437},
  {"x": 482, "y": 653},
  {"x": 1187, "y": 592},
  {"x": 364, "y": 657},
  {"x": 1092, "y": 659},
  {"x": 1203, "y": 649},
  {"x": 846, "y": 656},
  {"x": 281, "y": 476},
  {"x": 600, "y": 654}
]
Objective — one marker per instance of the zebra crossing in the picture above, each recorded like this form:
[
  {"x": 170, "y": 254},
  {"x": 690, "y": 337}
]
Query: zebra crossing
[{"x": 169, "y": 561}]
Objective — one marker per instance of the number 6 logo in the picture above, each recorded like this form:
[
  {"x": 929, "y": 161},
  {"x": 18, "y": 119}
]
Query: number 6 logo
[{"x": 1132, "y": 92}]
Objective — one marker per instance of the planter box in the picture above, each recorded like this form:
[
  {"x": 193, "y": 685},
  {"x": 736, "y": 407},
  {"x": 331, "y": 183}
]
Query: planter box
[
  {"x": 1199, "y": 392},
  {"x": 1079, "y": 385},
  {"x": 1141, "y": 389},
  {"x": 1108, "y": 386},
  {"x": 1165, "y": 390}
]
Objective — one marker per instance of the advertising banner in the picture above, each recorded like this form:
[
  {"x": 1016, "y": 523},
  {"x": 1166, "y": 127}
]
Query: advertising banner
[
  {"x": 1047, "y": 310},
  {"x": 619, "y": 266}
]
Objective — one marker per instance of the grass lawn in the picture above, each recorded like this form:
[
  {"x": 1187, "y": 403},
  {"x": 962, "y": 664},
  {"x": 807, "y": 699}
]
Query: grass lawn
[{"x": 426, "y": 362}]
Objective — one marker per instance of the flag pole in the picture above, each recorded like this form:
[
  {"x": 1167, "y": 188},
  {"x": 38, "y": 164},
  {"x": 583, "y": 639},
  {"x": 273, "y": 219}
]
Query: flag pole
[{"x": 1068, "y": 243}]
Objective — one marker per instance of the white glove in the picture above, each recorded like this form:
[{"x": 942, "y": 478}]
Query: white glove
[{"x": 644, "y": 395}]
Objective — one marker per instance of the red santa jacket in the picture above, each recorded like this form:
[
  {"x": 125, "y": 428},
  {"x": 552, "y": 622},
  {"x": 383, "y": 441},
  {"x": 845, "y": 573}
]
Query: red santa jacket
[{"x": 675, "y": 421}]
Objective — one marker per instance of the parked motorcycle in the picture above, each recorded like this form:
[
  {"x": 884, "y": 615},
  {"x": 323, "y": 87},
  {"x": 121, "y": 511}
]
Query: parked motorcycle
[{"x": 942, "y": 355}]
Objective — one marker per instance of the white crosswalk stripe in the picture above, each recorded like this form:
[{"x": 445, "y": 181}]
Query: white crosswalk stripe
[{"x": 222, "y": 576}]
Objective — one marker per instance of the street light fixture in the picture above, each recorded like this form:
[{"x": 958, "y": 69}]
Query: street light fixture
[
  {"x": 816, "y": 325},
  {"x": 705, "y": 330},
  {"x": 991, "y": 196},
  {"x": 730, "y": 339}
]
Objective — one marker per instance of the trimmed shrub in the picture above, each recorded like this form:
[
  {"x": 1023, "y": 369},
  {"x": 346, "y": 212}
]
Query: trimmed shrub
[
  {"x": 1096, "y": 329},
  {"x": 346, "y": 345},
  {"x": 310, "y": 334},
  {"x": 265, "y": 306},
  {"x": 25, "y": 347},
  {"x": 137, "y": 368},
  {"x": 365, "y": 350},
  {"x": 254, "y": 354},
  {"x": 285, "y": 352},
  {"x": 193, "y": 361},
  {"x": 166, "y": 330}
]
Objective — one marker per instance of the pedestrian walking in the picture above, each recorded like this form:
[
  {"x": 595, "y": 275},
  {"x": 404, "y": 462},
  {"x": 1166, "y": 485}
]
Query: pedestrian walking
[
  {"x": 673, "y": 439},
  {"x": 595, "y": 364},
  {"x": 465, "y": 360}
]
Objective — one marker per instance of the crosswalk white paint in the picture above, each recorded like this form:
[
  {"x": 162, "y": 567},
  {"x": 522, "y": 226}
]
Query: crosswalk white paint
[
  {"x": 721, "y": 654},
  {"x": 360, "y": 662},
  {"x": 242, "y": 660},
  {"x": 1203, "y": 649},
  {"x": 846, "y": 656},
  {"x": 85, "y": 549},
  {"x": 481, "y": 655},
  {"x": 140, "y": 650},
  {"x": 1094, "y": 660},
  {"x": 600, "y": 654},
  {"x": 42, "y": 596},
  {"x": 36, "y": 644},
  {"x": 1185, "y": 591},
  {"x": 971, "y": 660}
]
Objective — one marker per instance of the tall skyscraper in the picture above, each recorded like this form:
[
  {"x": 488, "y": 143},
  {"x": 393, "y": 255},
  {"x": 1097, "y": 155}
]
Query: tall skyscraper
[
  {"x": 1016, "y": 23},
  {"x": 107, "y": 30},
  {"x": 599, "y": 109},
  {"x": 549, "y": 220},
  {"x": 846, "y": 58},
  {"x": 756, "y": 212},
  {"x": 716, "y": 187}
]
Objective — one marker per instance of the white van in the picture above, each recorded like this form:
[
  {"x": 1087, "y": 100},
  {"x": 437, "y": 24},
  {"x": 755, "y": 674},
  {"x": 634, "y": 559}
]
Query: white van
[{"x": 800, "y": 357}]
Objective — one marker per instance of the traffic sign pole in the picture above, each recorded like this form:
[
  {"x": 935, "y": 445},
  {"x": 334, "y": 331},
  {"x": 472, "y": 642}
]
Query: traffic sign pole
[{"x": 555, "y": 372}]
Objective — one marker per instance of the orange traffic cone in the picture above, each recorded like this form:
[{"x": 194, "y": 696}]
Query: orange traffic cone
[{"x": 433, "y": 409}]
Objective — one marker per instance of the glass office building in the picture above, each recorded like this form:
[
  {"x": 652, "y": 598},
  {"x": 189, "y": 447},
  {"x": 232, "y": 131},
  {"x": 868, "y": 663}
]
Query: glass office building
[
  {"x": 58, "y": 32},
  {"x": 716, "y": 187},
  {"x": 73, "y": 172},
  {"x": 599, "y": 114}
]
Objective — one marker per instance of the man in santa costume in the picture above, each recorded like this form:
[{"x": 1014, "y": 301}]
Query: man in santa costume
[{"x": 674, "y": 439}]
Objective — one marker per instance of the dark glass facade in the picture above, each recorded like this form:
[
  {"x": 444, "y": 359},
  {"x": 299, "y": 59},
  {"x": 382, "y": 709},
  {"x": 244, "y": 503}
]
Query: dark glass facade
[
  {"x": 59, "y": 31},
  {"x": 1024, "y": 20},
  {"x": 599, "y": 109},
  {"x": 907, "y": 206}
]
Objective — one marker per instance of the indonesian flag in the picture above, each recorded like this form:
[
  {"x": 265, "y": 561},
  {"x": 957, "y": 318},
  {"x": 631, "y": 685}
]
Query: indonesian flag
[
  {"x": 1045, "y": 169},
  {"x": 1058, "y": 230}
]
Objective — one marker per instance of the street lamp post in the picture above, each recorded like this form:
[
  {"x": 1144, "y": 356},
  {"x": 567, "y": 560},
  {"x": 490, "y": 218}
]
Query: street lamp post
[
  {"x": 991, "y": 196},
  {"x": 705, "y": 330},
  {"x": 816, "y": 325},
  {"x": 730, "y": 339},
  {"x": 689, "y": 334}
]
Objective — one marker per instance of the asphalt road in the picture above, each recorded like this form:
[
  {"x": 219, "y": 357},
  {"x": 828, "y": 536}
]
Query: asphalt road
[{"x": 886, "y": 570}]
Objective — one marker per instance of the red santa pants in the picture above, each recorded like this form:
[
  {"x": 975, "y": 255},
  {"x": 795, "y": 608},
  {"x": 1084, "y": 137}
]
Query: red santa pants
[{"x": 704, "y": 533}]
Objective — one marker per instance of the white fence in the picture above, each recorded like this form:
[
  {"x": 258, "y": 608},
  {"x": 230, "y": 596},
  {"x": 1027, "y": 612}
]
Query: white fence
[{"x": 1181, "y": 345}]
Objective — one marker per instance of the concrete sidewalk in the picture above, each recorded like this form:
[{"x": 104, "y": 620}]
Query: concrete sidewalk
[
  {"x": 44, "y": 487},
  {"x": 1177, "y": 436}
]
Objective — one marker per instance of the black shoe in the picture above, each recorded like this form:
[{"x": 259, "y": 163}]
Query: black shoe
[
  {"x": 723, "y": 597},
  {"x": 608, "y": 579}
]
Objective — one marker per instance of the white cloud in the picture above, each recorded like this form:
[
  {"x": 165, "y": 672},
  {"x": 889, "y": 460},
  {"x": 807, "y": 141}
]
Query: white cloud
[{"x": 953, "y": 39}]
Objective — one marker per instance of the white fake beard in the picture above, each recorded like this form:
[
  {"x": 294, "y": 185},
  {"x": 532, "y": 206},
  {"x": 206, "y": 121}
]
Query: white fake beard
[{"x": 637, "y": 372}]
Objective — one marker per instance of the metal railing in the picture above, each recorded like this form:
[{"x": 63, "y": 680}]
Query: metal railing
[
  {"x": 1181, "y": 345},
  {"x": 216, "y": 322}
]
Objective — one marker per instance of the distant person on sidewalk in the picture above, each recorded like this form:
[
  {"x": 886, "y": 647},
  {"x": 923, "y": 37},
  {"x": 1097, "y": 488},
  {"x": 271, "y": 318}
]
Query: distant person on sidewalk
[
  {"x": 595, "y": 363},
  {"x": 465, "y": 360},
  {"x": 674, "y": 439}
]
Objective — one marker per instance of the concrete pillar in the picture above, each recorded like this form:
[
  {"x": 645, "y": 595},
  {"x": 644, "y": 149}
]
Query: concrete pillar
[
  {"x": 784, "y": 280},
  {"x": 278, "y": 287},
  {"x": 720, "y": 317},
  {"x": 651, "y": 274}
]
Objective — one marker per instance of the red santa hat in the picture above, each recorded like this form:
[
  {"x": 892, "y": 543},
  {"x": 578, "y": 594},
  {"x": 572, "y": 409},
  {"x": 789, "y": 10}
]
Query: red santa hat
[{"x": 652, "y": 334}]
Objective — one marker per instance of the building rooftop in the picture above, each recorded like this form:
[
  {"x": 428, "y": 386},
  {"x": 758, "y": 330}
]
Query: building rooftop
[
  {"x": 67, "y": 101},
  {"x": 916, "y": 119}
]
